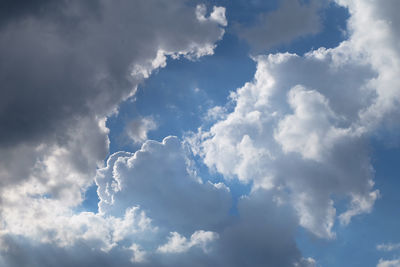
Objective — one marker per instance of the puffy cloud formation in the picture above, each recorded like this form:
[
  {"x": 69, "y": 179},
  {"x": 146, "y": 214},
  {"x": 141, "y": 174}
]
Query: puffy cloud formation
[
  {"x": 291, "y": 20},
  {"x": 169, "y": 193},
  {"x": 66, "y": 65},
  {"x": 300, "y": 129},
  {"x": 151, "y": 216},
  {"x": 298, "y": 133}
]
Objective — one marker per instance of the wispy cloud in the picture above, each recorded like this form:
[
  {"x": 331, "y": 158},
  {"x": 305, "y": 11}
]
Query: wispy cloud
[{"x": 388, "y": 246}]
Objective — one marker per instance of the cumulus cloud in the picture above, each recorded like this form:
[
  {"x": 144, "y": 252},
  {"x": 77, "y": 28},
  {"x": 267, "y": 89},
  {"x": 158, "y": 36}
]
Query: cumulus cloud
[
  {"x": 309, "y": 130},
  {"x": 301, "y": 127},
  {"x": 150, "y": 216},
  {"x": 298, "y": 134},
  {"x": 66, "y": 65},
  {"x": 291, "y": 20},
  {"x": 285, "y": 133},
  {"x": 170, "y": 193}
]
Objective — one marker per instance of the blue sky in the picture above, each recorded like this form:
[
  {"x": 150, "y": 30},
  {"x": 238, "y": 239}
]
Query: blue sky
[{"x": 199, "y": 133}]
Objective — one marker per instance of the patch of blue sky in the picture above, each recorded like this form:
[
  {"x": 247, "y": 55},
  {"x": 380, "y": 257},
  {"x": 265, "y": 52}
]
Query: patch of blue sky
[
  {"x": 91, "y": 200},
  {"x": 179, "y": 95}
]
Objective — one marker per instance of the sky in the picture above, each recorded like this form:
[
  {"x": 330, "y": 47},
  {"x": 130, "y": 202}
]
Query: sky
[{"x": 157, "y": 133}]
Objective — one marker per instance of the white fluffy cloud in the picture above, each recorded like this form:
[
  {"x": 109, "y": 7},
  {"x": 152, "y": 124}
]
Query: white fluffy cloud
[
  {"x": 286, "y": 134},
  {"x": 178, "y": 244},
  {"x": 301, "y": 127}
]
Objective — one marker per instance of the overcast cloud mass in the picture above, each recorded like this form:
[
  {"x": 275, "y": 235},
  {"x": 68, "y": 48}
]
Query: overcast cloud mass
[{"x": 288, "y": 152}]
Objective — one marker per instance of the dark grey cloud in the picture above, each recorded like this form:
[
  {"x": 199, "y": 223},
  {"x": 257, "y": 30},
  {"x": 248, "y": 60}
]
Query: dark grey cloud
[
  {"x": 12, "y": 10},
  {"x": 64, "y": 62},
  {"x": 64, "y": 67},
  {"x": 264, "y": 235},
  {"x": 56, "y": 67},
  {"x": 23, "y": 252}
]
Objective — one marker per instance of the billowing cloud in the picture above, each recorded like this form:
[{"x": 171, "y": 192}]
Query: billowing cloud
[
  {"x": 285, "y": 135},
  {"x": 301, "y": 127},
  {"x": 169, "y": 193},
  {"x": 66, "y": 65},
  {"x": 298, "y": 133},
  {"x": 153, "y": 217}
]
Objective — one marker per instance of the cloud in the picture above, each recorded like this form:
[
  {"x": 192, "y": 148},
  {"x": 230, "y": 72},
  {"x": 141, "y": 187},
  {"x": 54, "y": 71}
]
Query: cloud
[
  {"x": 388, "y": 247},
  {"x": 298, "y": 134},
  {"x": 309, "y": 130},
  {"x": 287, "y": 135},
  {"x": 137, "y": 129},
  {"x": 291, "y": 20},
  {"x": 388, "y": 263},
  {"x": 264, "y": 235},
  {"x": 178, "y": 244},
  {"x": 152, "y": 217},
  {"x": 170, "y": 193},
  {"x": 66, "y": 65},
  {"x": 296, "y": 128}
]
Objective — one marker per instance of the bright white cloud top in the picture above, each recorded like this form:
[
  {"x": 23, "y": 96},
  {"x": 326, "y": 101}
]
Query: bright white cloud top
[{"x": 297, "y": 135}]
